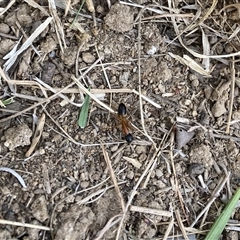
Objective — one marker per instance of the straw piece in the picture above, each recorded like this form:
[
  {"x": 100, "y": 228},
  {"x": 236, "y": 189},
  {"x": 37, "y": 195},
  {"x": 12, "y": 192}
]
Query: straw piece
[
  {"x": 151, "y": 211},
  {"x": 37, "y": 135},
  {"x": 33, "y": 4},
  {"x": 6, "y": 222},
  {"x": 27, "y": 43},
  {"x": 57, "y": 24}
]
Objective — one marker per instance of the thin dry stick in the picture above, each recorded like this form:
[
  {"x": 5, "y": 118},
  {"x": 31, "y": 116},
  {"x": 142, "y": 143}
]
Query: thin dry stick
[
  {"x": 108, "y": 225},
  {"x": 169, "y": 229},
  {"x": 105, "y": 74},
  {"x": 57, "y": 24},
  {"x": 66, "y": 99},
  {"x": 33, "y": 4},
  {"x": 113, "y": 177},
  {"x": 208, "y": 12},
  {"x": 231, "y": 95},
  {"x": 180, "y": 224},
  {"x": 203, "y": 220},
  {"x": 174, "y": 172},
  {"x": 37, "y": 135},
  {"x": 151, "y": 211},
  {"x": 154, "y": 163},
  {"x": 74, "y": 90},
  {"x": 76, "y": 193},
  {"x": 3, "y": 10},
  {"x": 213, "y": 198},
  {"x": 85, "y": 90},
  {"x": 45, "y": 100},
  {"x": 2, "y": 221},
  {"x": 69, "y": 137},
  {"x": 139, "y": 80},
  {"x": 190, "y": 15},
  {"x": 134, "y": 192}
]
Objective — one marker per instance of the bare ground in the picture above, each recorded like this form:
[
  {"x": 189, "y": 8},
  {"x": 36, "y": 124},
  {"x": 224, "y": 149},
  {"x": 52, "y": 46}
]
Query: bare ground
[{"x": 183, "y": 165}]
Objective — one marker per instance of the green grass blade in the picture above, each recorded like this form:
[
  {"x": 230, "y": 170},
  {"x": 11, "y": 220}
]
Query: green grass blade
[
  {"x": 83, "y": 116},
  {"x": 217, "y": 228},
  {"x": 79, "y": 10},
  {"x": 7, "y": 101}
]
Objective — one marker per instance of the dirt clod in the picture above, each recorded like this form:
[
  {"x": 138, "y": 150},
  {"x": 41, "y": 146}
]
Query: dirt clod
[
  {"x": 75, "y": 223},
  {"x": 88, "y": 57},
  {"x": 17, "y": 136},
  {"x": 201, "y": 155},
  {"x": 120, "y": 18},
  {"x": 218, "y": 109},
  {"x": 39, "y": 209}
]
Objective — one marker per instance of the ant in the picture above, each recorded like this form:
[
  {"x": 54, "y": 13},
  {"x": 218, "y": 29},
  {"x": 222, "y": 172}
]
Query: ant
[{"x": 126, "y": 125}]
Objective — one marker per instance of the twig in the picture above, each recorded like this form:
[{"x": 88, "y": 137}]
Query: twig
[
  {"x": 45, "y": 100},
  {"x": 134, "y": 192},
  {"x": 231, "y": 96},
  {"x": 2, "y": 221},
  {"x": 180, "y": 224},
  {"x": 169, "y": 229},
  {"x": 113, "y": 177},
  {"x": 151, "y": 211},
  {"x": 37, "y": 135},
  {"x": 213, "y": 198},
  {"x": 139, "y": 80}
]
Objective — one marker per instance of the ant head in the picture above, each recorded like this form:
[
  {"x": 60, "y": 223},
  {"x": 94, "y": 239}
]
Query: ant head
[{"x": 129, "y": 138}]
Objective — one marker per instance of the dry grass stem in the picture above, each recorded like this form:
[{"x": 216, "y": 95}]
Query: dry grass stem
[
  {"x": 208, "y": 13},
  {"x": 113, "y": 177},
  {"x": 27, "y": 43},
  {"x": 86, "y": 91},
  {"x": 140, "y": 82},
  {"x": 90, "y": 198},
  {"x": 215, "y": 194},
  {"x": 66, "y": 99},
  {"x": 3, "y": 10},
  {"x": 233, "y": 73},
  {"x": 134, "y": 192},
  {"x": 57, "y": 24},
  {"x": 34, "y": 4},
  {"x": 180, "y": 224},
  {"x": 190, "y": 15},
  {"x": 28, "y": 97},
  {"x": 143, "y": 7},
  {"x": 37, "y": 135},
  {"x": 105, "y": 74},
  {"x": 111, "y": 222},
  {"x": 150, "y": 211},
  {"x": 27, "y": 225},
  {"x": 90, "y": 5},
  {"x": 45, "y": 100},
  {"x": 57, "y": 192},
  {"x": 169, "y": 229}
]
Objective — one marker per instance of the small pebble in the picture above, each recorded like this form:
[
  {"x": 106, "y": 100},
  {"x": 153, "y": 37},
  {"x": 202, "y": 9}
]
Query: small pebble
[
  {"x": 159, "y": 173},
  {"x": 4, "y": 28},
  {"x": 84, "y": 184},
  {"x": 151, "y": 50},
  {"x": 195, "y": 83},
  {"x": 130, "y": 175},
  {"x": 218, "y": 109},
  {"x": 88, "y": 57}
]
